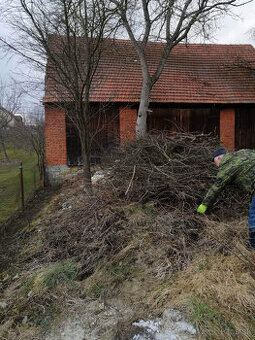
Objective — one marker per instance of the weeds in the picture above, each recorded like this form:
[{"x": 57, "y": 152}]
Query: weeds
[
  {"x": 123, "y": 270},
  {"x": 209, "y": 321},
  {"x": 63, "y": 272},
  {"x": 59, "y": 273},
  {"x": 95, "y": 290}
]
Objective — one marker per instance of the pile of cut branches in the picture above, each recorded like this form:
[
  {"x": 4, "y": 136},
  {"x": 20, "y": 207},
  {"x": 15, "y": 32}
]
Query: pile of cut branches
[
  {"x": 154, "y": 187},
  {"x": 175, "y": 169}
]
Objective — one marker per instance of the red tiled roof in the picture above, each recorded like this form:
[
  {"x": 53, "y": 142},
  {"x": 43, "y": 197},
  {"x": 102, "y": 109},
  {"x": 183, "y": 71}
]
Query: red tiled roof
[{"x": 194, "y": 73}]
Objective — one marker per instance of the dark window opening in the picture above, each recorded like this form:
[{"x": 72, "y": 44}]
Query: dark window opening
[{"x": 104, "y": 134}]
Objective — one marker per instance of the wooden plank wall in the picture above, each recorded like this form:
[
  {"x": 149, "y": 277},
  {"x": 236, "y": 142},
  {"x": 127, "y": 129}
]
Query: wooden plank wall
[
  {"x": 105, "y": 125},
  {"x": 245, "y": 127},
  {"x": 195, "y": 119}
]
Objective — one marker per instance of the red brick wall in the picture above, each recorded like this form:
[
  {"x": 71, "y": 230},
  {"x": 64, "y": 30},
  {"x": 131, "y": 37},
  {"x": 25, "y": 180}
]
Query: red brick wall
[
  {"x": 55, "y": 136},
  {"x": 127, "y": 123},
  {"x": 227, "y": 128}
]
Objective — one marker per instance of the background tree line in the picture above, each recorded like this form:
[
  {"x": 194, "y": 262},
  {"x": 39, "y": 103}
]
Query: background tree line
[{"x": 19, "y": 131}]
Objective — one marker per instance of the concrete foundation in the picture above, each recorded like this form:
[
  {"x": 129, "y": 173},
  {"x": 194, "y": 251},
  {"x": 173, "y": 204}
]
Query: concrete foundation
[{"x": 56, "y": 174}]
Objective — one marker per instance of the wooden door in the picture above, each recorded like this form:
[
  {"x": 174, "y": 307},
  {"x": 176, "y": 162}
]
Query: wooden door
[{"x": 245, "y": 128}]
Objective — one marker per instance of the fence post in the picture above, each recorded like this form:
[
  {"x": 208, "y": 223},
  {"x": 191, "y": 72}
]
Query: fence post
[
  {"x": 22, "y": 186},
  {"x": 34, "y": 175}
]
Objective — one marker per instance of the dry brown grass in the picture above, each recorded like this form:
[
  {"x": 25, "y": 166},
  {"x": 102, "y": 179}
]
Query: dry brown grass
[
  {"x": 214, "y": 285},
  {"x": 139, "y": 238},
  {"x": 218, "y": 293}
]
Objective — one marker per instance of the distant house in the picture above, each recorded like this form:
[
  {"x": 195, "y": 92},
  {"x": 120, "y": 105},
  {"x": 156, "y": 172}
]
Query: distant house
[
  {"x": 8, "y": 119},
  {"x": 205, "y": 88}
]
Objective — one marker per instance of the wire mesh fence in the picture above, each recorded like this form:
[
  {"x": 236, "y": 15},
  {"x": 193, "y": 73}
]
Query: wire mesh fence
[{"x": 10, "y": 186}]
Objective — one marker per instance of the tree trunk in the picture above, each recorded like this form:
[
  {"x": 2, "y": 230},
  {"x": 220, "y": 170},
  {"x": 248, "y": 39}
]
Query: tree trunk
[
  {"x": 141, "y": 123},
  {"x": 85, "y": 151},
  {"x": 41, "y": 169},
  {"x": 6, "y": 159}
]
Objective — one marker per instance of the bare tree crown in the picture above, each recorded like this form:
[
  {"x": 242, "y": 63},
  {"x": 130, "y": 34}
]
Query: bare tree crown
[{"x": 171, "y": 22}]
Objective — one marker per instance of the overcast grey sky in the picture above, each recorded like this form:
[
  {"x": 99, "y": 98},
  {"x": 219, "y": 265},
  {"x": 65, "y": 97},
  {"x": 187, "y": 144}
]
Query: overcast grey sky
[
  {"x": 237, "y": 31},
  {"x": 231, "y": 31}
]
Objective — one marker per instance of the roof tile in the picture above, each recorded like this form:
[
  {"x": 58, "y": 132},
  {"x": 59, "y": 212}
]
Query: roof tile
[{"x": 194, "y": 73}]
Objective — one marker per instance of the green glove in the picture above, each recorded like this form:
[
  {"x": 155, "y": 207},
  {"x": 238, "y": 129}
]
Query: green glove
[{"x": 202, "y": 209}]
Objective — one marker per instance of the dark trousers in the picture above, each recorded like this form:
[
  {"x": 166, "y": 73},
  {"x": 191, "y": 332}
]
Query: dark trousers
[{"x": 251, "y": 222}]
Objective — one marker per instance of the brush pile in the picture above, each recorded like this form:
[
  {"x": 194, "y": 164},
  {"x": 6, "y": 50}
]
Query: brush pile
[
  {"x": 174, "y": 170},
  {"x": 153, "y": 189}
]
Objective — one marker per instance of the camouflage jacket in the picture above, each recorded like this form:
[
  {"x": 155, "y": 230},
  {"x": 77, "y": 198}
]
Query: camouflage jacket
[{"x": 235, "y": 168}]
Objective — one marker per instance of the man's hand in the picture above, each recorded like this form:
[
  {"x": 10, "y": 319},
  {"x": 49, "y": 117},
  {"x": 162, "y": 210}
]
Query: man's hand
[{"x": 202, "y": 209}]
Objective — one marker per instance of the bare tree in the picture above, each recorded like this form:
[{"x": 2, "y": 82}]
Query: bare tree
[
  {"x": 5, "y": 120},
  {"x": 31, "y": 133},
  {"x": 10, "y": 101},
  {"x": 68, "y": 34},
  {"x": 36, "y": 136},
  {"x": 170, "y": 22}
]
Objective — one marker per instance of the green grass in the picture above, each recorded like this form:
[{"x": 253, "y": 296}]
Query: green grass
[
  {"x": 210, "y": 321},
  {"x": 95, "y": 290},
  {"x": 123, "y": 270},
  {"x": 58, "y": 273},
  {"x": 10, "y": 197},
  {"x": 62, "y": 272}
]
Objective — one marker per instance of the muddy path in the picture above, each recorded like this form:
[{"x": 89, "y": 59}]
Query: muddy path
[{"x": 10, "y": 231}]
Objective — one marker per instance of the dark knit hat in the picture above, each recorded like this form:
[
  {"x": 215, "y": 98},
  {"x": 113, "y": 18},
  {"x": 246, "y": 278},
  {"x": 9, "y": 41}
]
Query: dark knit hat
[{"x": 218, "y": 152}]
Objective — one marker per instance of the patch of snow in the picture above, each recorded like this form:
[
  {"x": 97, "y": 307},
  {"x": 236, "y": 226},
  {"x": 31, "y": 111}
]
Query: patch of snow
[
  {"x": 66, "y": 206},
  {"x": 30, "y": 293},
  {"x": 150, "y": 326},
  {"x": 99, "y": 176},
  {"x": 25, "y": 319},
  {"x": 172, "y": 326},
  {"x": 3, "y": 304},
  {"x": 186, "y": 327},
  {"x": 97, "y": 320}
]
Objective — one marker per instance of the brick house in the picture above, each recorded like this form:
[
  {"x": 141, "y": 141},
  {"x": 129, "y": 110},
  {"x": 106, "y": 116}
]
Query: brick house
[{"x": 205, "y": 88}]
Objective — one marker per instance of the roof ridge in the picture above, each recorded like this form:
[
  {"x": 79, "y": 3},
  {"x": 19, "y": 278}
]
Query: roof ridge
[{"x": 181, "y": 43}]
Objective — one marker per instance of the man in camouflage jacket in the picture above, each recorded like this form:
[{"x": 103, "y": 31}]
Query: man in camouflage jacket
[{"x": 234, "y": 168}]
